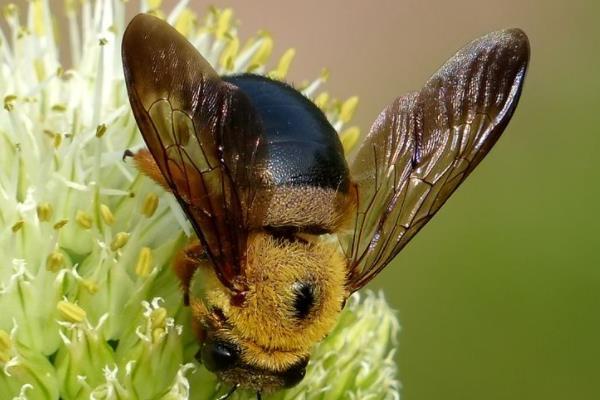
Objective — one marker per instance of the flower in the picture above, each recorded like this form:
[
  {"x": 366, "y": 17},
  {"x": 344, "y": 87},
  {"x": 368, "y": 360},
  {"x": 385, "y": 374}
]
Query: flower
[{"x": 90, "y": 308}]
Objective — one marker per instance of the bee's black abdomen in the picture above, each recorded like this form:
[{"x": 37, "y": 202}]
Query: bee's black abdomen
[{"x": 300, "y": 146}]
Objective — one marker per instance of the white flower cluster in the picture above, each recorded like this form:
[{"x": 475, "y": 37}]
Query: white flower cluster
[{"x": 89, "y": 308}]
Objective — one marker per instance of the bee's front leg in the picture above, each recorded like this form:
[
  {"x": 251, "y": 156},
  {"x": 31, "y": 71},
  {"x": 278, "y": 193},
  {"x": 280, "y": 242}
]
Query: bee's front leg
[
  {"x": 230, "y": 393},
  {"x": 185, "y": 264},
  {"x": 146, "y": 164}
]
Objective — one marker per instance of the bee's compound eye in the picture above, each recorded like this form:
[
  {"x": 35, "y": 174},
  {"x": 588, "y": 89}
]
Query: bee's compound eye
[
  {"x": 218, "y": 356},
  {"x": 293, "y": 375}
]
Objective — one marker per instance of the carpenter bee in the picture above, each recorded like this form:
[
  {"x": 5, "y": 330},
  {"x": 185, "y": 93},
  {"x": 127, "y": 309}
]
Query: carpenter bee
[{"x": 286, "y": 228}]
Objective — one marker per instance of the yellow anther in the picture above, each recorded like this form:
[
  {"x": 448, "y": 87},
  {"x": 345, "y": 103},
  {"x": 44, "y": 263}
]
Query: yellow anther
[
  {"x": 57, "y": 140},
  {"x": 150, "y": 204},
  {"x": 55, "y": 261},
  {"x": 119, "y": 241},
  {"x": 17, "y": 225},
  {"x": 248, "y": 43},
  {"x": 89, "y": 285},
  {"x": 158, "y": 317},
  {"x": 10, "y": 10},
  {"x": 321, "y": 100},
  {"x": 83, "y": 219},
  {"x": 223, "y": 22},
  {"x": 60, "y": 223},
  {"x": 348, "y": 109},
  {"x": 100, "y": 130},
  {"x": 144, "y": 262},
  {"x": 38, "y": 18},
  {"x": 107, "y": 215},
  {"x": 59, "y": 108},
  {"x": 9, "y": 102},
  {"x": 70, "y": 312},
  {"x": 71, "y": 6},
  {"x": 229, "y": 53},
  {"x": 44, "y": 211},
  {"x": 252, "y": 68},
  {"x": 186, "y": 21},
  {"x": 284, "y": 65},
  {"x": 40, "y": 69},
  {"x": 262, "y": 54},
  {"x": 154, "y": 4},
  {"x": 324, "y": 74},
  {"x": 349, "y": 138},
  {"x": 22, "y": 32},
  {"x": 158, "y": 13}
]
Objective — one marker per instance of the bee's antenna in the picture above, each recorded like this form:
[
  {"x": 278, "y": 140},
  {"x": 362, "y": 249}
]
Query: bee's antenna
[
  {"x": 258, "y": 396},
  {"x": 231, "y": 391}
]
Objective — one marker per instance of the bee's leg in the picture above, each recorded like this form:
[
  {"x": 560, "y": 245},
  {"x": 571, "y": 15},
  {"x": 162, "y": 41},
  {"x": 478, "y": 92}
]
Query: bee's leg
[
  {"x": 230, "y": 393},
  {"x": 146, "y": 165},
  {"x": 185, "y": 264}
]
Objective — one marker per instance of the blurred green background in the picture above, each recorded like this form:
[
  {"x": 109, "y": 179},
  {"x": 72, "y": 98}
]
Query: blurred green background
[{"x": 499, "y": 296}]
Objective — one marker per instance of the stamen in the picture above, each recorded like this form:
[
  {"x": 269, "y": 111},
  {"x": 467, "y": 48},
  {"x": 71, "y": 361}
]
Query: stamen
[
  {"x": 229, "y": 53},
  {"x": 321, "y": 100},
  {"x": 107, "y": 215},
  {"x": 70, "y": 312},
  {"x": 144, "y": 262},
  {"x": 17, "y": 226},
  {"x": 349, "y": 138},
  {"x": 119, "y": 241},
  {"x": 55, "y": 261},
  {"x": 348, "y": 109},
  {"x": 83, "y": 219},
  {"x": 100, "y": 130},
  {"x": 223, "y": 22},
  {"x": 186, "y": 22},
  {"x": 60, "y": 224},
  {"x": 284, "y": 65},
  {"x": 263, "y": 52},
  {"x": 9, "y": 101},
  {"x": 150, "y": 204}
]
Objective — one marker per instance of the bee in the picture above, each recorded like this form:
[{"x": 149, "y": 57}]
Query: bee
[{"x": 286, "y": 228}]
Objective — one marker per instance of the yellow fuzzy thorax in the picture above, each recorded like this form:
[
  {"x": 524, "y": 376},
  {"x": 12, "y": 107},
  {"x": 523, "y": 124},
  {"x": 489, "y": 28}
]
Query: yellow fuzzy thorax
[{"x": 265, "y": 327}]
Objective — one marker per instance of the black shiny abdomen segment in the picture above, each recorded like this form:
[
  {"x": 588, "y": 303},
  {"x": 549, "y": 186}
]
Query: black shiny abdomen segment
[{"x": 301, "y": 147}]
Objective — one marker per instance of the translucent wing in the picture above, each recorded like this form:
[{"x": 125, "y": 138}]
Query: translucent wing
[
  {"x": 425, "y": 144},
  {"x": 202, "y": 133}
]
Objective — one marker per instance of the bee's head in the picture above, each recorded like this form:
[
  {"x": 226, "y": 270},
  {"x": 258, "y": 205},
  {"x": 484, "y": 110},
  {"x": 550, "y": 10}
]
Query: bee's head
[
  {"x": 295, "y": 293},
  {"x": 224, "y": 359}
]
